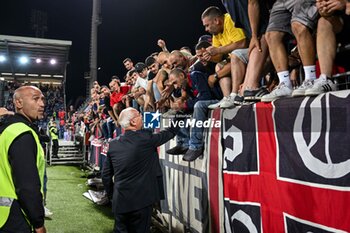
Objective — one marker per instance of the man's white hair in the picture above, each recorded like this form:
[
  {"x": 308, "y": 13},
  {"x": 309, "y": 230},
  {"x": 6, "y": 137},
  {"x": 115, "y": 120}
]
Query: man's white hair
[{"x": 126, "y": 116}]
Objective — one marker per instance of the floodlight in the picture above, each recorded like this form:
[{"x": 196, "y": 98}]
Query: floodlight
[
  {"x": 2, "y": 58},
  {"x": 23, "y": 60},
  {"x": 52, "y": 61},
  {"x": 38, "y": 60}
]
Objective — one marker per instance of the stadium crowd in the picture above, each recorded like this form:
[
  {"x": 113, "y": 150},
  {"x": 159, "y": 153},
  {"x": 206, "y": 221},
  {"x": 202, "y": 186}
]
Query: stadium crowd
[
  {"x": 258, "y": 51},
  {"x": 267, "y": 53}
]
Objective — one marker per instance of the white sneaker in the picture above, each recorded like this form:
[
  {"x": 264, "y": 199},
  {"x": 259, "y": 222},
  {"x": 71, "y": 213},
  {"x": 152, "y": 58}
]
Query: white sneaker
[
  {"x": 321, "y": 85},
  {"x": 48, "y": 213},
  {"x": 217, "y": 105},
  {"x": 300, "y": 91},
  {"x": 280, "y": 91},
  {"x": 229, "y": 102}
]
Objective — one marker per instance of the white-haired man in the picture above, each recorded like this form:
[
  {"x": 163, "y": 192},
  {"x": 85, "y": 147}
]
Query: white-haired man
[{"x": 133, "y": 161}]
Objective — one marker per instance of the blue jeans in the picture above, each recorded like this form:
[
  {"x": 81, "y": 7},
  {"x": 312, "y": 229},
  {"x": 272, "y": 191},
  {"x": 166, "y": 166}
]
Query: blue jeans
[
  {"x": 183, "y": 137},
  {"x": 135, "y": 104},
  {"x": 200, "y": 113},
  {"x": 108, "y": 129},
  {"x": 194, "y": 140},
  {"x": 118, "y": 131},
  {"x": 111, "y": 128}
]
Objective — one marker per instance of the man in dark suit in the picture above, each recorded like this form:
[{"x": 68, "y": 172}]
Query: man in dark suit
[{"x": 133, "y": 161}]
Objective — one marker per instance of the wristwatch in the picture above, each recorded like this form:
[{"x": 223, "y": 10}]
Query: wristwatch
[{"x": 216, "y": 76}]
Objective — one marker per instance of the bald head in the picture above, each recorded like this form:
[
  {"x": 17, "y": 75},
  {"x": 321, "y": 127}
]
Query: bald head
[
  {"x": 29, "y": 101},
  {"x": 163, "y": 59},
  {"x": 23, "y": 91},
  {"x": 178, "y": 60},
  {"x": 163, "y": 54}
]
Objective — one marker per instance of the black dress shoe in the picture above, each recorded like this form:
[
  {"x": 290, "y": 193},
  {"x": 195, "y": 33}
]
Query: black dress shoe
[
  {"x": 192, "y": 155},
  {"x": 177, "y": 150}
]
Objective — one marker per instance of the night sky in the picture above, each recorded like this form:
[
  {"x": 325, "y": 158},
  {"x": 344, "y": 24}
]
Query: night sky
[{"x": 129, "y": 29}]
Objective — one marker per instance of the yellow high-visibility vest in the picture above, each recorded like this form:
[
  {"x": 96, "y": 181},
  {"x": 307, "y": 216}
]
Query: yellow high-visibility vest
[{"x": 7, "y": 188}]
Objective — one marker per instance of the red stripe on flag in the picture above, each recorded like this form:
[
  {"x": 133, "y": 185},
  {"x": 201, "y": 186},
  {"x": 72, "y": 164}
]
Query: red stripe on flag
[
  {"x": 214, "y": 174},
  {"x": 270, "y": 198}
]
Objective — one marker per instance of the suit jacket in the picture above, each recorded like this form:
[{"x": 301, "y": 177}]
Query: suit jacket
[{"x": 133, "y": 161}]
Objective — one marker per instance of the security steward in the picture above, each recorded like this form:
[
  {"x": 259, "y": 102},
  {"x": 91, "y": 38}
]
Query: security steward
[
  {"x": 54, "y": 138},
  {"x": 22, "y": 165}
]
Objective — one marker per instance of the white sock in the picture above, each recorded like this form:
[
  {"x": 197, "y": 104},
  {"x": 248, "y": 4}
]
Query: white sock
[
  {"x": 322, "y": 77},
  {"x": 233, "y": 94},
  {"x": 283, "y": 76},
  {"x": 310, "y": 72}
]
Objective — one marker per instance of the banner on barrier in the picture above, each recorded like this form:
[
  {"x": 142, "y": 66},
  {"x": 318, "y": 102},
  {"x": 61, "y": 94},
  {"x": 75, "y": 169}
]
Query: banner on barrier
[
  {"x": 193, "y": 191},
  {"x": 286, "y": 165}
]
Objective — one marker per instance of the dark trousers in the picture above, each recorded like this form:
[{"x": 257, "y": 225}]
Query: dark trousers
[
  {"x": 54, "y": 147},
  {"x": 138, "y": 221},
  {"x": 16, "y": 221}
]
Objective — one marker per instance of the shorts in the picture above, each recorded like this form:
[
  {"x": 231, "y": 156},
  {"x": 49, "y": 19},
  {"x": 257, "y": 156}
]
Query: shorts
[
  {"x": 242, "y": 54},
  {"x": 284, "y": 12}
]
